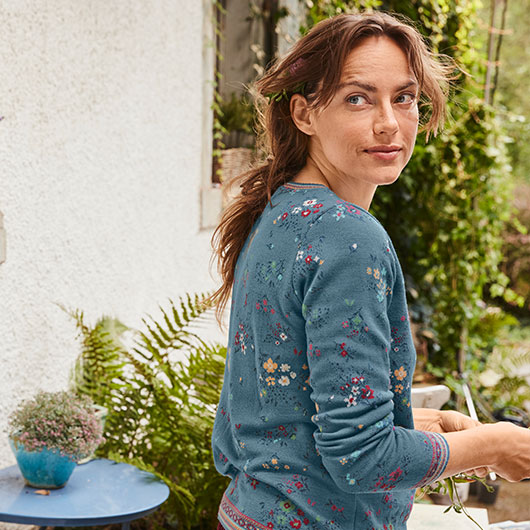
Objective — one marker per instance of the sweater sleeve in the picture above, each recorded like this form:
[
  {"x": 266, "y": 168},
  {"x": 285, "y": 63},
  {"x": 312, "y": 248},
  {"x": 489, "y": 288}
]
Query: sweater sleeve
[{"x": 344, "y": 275}]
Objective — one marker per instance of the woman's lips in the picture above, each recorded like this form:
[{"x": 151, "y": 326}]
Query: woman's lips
[{"x": 384, "y": 155}]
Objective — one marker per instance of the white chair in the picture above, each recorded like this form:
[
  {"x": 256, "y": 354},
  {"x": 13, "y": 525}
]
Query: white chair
[{"x": 430, "y": 396}]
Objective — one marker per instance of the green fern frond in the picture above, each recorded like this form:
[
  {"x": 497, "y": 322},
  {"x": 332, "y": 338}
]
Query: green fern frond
[{"x": 161, "y": 394}]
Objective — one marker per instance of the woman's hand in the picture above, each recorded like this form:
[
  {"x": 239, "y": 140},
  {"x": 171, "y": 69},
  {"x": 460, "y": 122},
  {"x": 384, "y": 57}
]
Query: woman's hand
[
  {"x": 443, "y": 421},
  {"x": 452, "y": 421},
  {"x": 427, "y": 419}
]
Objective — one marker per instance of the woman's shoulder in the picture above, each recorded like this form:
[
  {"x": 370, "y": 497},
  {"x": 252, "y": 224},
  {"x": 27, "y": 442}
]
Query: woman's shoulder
[
  {"x": 316, "y": 215},
  {"x": 321, "y": 208},
  {"x": 310, "y": 199}
]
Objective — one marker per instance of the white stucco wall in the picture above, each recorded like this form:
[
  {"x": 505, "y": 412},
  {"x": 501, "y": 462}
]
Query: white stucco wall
[{"x": 102, "y": 153}]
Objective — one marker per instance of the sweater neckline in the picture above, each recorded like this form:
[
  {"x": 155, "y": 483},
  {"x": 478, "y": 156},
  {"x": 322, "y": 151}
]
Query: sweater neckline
[{"x": 304, "y": 185}]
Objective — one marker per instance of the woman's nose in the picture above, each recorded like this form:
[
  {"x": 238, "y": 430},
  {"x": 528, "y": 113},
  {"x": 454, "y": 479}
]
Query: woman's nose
[{"x": 385, "y": 121}]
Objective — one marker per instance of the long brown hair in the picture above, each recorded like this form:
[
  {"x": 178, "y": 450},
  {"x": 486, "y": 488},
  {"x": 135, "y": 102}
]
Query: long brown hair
[{"x": 314, "y": 66}]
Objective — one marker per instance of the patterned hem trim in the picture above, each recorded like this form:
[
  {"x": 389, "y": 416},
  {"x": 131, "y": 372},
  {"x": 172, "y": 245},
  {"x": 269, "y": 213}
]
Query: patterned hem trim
[
  {"x": 303, "y": 185},
  {"x": 232, "y": 519},
  {"x": 440, "y": 457}
]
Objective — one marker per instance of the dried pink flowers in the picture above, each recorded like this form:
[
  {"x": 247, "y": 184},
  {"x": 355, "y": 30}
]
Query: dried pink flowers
[{"x": 57, "y": 420}]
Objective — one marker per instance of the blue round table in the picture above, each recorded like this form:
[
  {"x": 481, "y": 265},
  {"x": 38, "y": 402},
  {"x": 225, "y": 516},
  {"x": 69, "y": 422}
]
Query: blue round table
[{"x": 98, "y": 492}]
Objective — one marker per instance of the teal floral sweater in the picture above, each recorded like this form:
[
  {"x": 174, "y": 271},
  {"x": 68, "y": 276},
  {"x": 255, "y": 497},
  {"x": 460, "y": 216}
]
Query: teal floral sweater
[{"x": 314, "y": 424}]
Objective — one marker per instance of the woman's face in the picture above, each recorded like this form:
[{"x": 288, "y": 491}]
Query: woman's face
[{"x": 366, "y": 134}]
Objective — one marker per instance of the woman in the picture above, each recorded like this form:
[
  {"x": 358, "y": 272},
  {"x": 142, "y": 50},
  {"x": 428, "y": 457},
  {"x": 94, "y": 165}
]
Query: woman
[{"x": 314, "y": 424}]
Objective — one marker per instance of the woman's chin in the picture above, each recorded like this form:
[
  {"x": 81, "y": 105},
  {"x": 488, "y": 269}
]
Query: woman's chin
[{"x": 386, "y": 178}]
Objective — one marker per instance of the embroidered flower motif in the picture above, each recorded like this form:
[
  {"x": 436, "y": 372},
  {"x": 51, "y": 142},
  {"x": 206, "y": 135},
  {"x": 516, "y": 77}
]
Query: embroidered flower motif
[
  {"x": 285, "y": 367},
  {"x": 395, "y": 474},
  {"x": 399, "y": 389},
  {"x": 295, "y": 523},
  {"x": 284, "y": 381},
  {"x": 270, "y": 366},
  {"x": 350, "y": 479},
  {"x": 367, "y": 392},
  {"x": 293, "y": 375},
  {"x": 368, "y": 270},
  {"x": 300, "y": 255},
  {"x": 400, "y": 373},
  {"x": 309, "y": 202},
  {"x": 376, "y": 274},
  {"x": 270, "y": 381},
  {"x": 308, "y": 259},
  {"x": 296, "y": 210},
  {"x": 351, "y": 400},
  {"x": 283, "y": 336},
  {"x": 287, "y": 506},
  {"x": 305, "y": 213}
]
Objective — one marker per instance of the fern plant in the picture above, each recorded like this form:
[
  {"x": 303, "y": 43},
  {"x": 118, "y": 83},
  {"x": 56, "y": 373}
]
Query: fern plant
[{"x": 160, "y": 391}]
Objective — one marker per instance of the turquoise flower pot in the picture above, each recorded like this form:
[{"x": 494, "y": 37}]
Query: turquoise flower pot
[{"x": 43, "y": 469}]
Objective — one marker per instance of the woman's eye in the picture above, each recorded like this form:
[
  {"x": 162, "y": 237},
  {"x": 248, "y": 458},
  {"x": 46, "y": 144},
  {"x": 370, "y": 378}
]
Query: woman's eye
[
  {"x": 406, "y": 98},
  {"x": 356, "y": 100}
]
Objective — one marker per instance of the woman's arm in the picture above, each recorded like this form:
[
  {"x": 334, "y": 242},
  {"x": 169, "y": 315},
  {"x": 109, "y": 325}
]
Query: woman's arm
[
  {"x": 344, "y": 276},
  {"x": 503, "y": 447}
]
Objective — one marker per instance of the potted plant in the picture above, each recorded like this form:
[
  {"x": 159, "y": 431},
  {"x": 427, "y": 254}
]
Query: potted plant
[{"x": 50, "y": 433}]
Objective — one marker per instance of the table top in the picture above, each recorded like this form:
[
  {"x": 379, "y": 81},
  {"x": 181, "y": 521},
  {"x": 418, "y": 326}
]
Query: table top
[
  {"x": 427, "y": 516},
  {"x": 98, "y": 492}
]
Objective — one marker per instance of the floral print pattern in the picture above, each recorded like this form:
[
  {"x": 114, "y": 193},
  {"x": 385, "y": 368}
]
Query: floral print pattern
[{"x": 315, "y": 407}]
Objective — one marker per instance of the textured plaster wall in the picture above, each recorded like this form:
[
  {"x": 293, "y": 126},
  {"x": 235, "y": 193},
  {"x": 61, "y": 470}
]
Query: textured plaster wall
[{"x": 102, "y": 155}]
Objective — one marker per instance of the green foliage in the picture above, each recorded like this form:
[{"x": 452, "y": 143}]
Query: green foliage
[
  {"x": 98, "y": 375},
  {"x": 500, "y": 376},
  {"x": 161, "y": 392},
  {"x": 511, "y": 94},
  {"x": 516, "y": 251},
  {"x": 501, "y": 380},
  {"x": 449, "y": 26},
  {"x": 237, "y": 114},
  {"x": 448, "y": 487}
]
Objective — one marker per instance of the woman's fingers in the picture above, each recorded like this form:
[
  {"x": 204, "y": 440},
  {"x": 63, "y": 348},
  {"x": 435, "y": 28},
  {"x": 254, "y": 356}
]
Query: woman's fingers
[{"x": 478, "y": 472}]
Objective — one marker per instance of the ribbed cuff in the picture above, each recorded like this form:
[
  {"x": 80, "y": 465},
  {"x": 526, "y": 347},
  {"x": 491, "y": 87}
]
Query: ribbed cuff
[{"x": 440, "y": 457}]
